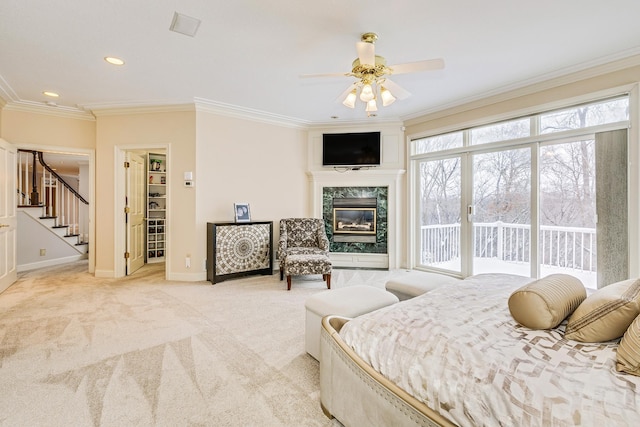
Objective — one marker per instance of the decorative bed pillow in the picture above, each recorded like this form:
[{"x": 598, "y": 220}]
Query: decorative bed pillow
[
  {"x": 545, "y": 303},
  {"x": 606, "y": 314},
  {"x": 628, "y": 357}
]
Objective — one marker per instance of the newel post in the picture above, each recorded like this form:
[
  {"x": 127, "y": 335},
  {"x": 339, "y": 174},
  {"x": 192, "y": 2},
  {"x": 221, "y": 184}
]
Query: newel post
[{"x": 35, "y": 197}]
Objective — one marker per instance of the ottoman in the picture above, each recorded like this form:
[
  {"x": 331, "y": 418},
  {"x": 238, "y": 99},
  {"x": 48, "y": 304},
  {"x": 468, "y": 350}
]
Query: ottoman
[
  {"x": 303, "y": 264},
  {"x": 352, "y": 301},
  {"x": 417, "y": 283}
]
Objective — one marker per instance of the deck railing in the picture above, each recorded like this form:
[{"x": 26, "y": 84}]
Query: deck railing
[{"x": 568, "y": 247}]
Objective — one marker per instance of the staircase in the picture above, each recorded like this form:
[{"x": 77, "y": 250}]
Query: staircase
[
  {"x": 52, "y": 215},
  {"x": 64, "y": 232}
]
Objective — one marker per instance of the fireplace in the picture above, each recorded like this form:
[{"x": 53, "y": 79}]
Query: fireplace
[
  {"x": 349, "y": 190},
  {"x": 354, "y": 221}
]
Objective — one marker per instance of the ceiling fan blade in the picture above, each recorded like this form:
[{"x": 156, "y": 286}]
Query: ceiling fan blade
[
  {"x": 412, "y": 67},
  {"x": 396, "y": 89},
  {"x": 343, "y": 95},
  {"x": 312, "y": 76},
  {"x": 366, "y": 53}
]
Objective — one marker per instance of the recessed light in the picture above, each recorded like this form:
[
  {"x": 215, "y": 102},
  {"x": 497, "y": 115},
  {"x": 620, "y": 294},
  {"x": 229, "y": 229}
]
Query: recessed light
[
  {"x": 50, "y": 93},
  {"x": 113, "y": 60}
]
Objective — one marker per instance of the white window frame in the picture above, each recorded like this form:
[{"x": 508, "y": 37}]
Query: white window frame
[{"x": 534, "y": 141}]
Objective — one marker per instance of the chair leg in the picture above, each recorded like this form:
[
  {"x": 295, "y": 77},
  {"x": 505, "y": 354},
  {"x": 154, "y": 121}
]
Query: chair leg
[
  {"x": 328, "y": 276},
  {"x": 281, "y": 273},
  {"x": 288, "y": 283}
]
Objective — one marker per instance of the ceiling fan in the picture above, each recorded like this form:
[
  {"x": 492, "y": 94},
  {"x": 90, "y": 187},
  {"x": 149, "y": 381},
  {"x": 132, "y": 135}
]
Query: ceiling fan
[{"x": 372, "y": 73}]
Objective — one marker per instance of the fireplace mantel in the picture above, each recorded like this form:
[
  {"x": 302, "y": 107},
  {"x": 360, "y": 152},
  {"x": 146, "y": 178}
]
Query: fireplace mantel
[{"x": 390, "y": 178}]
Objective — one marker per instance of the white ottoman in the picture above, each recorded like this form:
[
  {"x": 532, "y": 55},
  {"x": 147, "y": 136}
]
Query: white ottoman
[
  {"x": 352, "y": 301},
  {"x": 416, "y": 283}
]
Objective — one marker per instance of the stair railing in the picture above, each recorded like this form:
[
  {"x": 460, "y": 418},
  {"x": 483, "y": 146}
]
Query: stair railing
[{"x": 58, "y": 199}]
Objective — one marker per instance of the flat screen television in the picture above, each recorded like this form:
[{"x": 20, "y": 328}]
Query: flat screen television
[{"x": 351, "y": 149}]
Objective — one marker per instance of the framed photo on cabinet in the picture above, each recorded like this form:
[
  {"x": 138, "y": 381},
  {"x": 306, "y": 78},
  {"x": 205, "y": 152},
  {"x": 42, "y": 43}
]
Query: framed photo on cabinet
[{"x": 242, "y": 212}]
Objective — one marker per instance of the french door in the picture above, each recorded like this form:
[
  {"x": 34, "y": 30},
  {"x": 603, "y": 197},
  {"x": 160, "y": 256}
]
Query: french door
[
  {"x": 529, "y": 210},
  {"x": 440, "y": 221},
  {"x": 8, "y": 218},
  {"x": 500, "y": 212}
]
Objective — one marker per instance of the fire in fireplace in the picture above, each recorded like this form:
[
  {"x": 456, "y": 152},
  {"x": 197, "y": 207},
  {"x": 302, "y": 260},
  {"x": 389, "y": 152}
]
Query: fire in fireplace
[{"x": 354, "y": 220}]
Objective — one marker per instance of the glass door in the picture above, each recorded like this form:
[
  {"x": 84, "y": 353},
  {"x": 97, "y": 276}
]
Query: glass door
[
  {"x": 567, "y": 242},
  {"x": 439, "y": 214},
  {"x": 501, "y": 212}
]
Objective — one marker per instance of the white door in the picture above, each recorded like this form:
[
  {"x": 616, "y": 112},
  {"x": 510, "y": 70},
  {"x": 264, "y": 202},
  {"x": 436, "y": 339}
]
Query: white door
[
  {"x": 8, "y": 160},
  {"x": 135, "y": 205}
]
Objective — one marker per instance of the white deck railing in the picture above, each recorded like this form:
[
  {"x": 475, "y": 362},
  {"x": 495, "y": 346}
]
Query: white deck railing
[{"x": 567, "y": 247}]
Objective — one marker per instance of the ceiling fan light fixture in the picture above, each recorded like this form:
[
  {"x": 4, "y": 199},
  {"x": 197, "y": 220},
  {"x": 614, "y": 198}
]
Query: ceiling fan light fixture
[
  {"x": 350, "y": 100},
  {"x": 366, "y": 94},
  {"x": 371, "y": 106},
  {"x": 387, "y": 96}
]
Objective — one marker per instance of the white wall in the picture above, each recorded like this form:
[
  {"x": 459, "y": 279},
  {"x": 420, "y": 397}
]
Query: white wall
[
  {"x": 131, "y": 130},
  {"x": 240, "y": 160},
  {"x": 34, "y": 237}
]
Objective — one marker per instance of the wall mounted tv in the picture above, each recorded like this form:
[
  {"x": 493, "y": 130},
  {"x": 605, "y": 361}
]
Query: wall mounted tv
[{"x": 353, "y": 150}]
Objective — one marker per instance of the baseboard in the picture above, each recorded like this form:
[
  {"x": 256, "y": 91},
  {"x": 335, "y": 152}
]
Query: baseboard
[
  {"x": 104, "y": 273},
  {"x": 50, "y": 262},
  {"x": 188, "y": 277}
]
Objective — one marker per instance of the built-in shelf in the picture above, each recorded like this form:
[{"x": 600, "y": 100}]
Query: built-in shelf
[{"x": 156, "y": 207}]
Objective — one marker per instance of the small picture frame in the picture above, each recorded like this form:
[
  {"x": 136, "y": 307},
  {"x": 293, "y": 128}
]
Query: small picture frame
[{"x": 242, "y": 212}]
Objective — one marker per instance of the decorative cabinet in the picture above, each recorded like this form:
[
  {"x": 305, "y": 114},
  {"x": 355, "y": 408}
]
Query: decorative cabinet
[
  {"x": 237, "y": 249},
  {"x": 156, "y": 206}
]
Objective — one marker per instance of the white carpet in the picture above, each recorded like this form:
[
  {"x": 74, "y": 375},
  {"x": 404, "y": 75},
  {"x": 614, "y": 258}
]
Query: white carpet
[{"x": 76, "y": 350}]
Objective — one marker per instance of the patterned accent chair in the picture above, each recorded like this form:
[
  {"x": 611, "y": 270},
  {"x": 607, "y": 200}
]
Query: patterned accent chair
[{"x": 303, "y": 249}]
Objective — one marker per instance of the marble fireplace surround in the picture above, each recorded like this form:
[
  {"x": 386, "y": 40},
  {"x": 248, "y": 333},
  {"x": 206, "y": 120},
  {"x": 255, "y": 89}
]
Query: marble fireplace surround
[{"x": 387, "y": 182}]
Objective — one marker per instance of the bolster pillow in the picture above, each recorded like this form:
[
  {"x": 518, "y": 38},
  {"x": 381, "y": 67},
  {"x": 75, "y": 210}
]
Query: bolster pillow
[{"x": 545, "y": 303}]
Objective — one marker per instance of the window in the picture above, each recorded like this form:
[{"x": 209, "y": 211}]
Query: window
[
  {"x": 437, "y": 143},
  {"x": 567, "y": 238},
  {"x": 610, "y": 111},
  {"x": 502, "y": 211},
  {"x": 484, "y": 217},
  {"x": 440, "y": 213},
  {"x": 504, "y": 131}
]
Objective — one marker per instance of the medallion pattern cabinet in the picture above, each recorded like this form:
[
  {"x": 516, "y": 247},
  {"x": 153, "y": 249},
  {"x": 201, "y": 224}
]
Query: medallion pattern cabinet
[{"x": 237, "y": 249}]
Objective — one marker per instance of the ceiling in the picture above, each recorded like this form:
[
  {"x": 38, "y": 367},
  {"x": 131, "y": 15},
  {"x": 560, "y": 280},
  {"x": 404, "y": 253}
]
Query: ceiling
[{"x": 247, "y": 56}]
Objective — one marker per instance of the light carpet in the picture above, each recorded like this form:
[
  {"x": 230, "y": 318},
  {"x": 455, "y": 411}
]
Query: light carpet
[{"x": 76, "y": 350}]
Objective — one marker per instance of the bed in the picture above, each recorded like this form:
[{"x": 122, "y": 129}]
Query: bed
[{"x": 456, "y": 356}]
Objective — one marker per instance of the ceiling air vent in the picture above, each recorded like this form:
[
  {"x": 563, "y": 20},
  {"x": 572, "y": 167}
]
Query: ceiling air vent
[{"x": 184, "y": 24}]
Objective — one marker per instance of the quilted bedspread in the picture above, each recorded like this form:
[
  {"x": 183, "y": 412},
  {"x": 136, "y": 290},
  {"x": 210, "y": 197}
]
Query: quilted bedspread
[{"x": 458, "y": 350}]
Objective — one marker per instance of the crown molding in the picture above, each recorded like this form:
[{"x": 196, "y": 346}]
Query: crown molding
[
  {"x": 139, "y": 108},
  {"x": 622, "y": 60},
  {"x": 49, "y": 110},
  {"x": 357, "y": 126},
  {"x": 229, "y": 110}
]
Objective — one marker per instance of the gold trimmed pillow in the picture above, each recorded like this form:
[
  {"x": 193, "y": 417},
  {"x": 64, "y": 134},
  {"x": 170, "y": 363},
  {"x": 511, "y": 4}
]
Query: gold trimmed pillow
[
  {"x": 606, "y": 314},
  {"x": 546, "y": 302},
  {"x": 628, "y": 357}
]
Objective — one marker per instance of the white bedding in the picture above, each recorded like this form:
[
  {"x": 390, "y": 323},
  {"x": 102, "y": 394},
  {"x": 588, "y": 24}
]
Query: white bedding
[{"x": 458, "y": 350}]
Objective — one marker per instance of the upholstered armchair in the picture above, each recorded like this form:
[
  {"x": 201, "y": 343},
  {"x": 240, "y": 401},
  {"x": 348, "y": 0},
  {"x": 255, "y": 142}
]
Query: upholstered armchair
[{"x": 303, "y": 248}]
